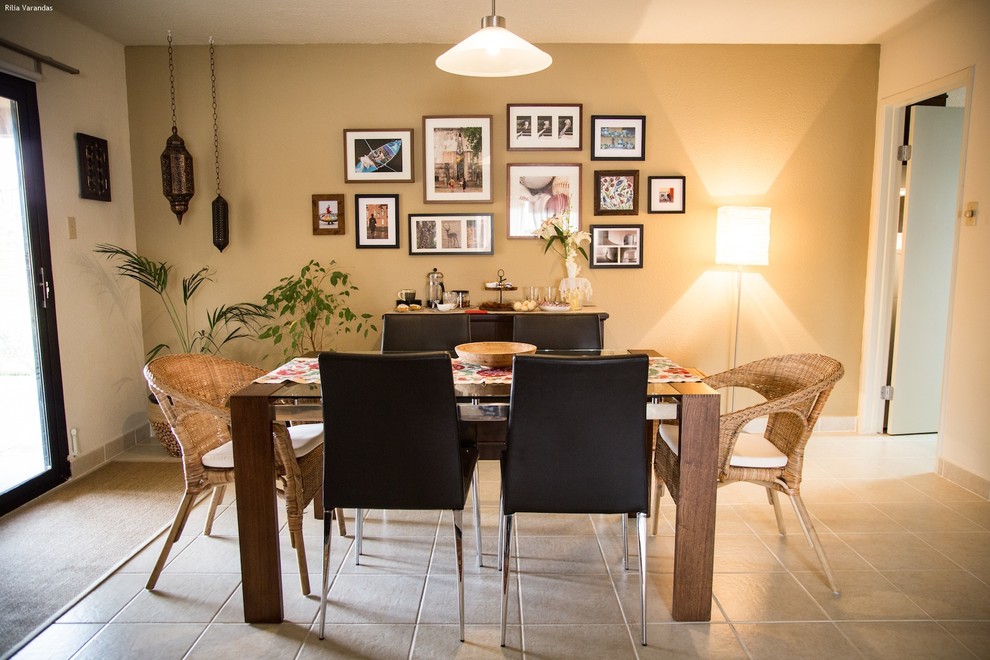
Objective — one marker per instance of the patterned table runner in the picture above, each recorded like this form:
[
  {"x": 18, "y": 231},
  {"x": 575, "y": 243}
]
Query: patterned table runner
[{"x": 307, "y": 370}]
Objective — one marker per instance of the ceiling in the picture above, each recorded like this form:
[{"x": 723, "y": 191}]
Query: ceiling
[{"x": 146, "y": 22}]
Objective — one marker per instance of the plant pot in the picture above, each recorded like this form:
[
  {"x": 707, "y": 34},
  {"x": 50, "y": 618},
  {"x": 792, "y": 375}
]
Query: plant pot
[{"x": 161, "y": 428}]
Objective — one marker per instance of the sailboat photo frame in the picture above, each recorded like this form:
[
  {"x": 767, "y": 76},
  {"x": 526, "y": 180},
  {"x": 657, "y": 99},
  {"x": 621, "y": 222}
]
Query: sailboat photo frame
[{"x": 378, "y": 155}]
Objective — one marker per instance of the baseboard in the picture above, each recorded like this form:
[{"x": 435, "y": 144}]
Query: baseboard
[
  {"x": 91, "y": 460},
  {"x": 964, "y": 478}
]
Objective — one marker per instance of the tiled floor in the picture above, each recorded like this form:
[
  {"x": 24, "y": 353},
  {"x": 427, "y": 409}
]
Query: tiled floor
[{"x": 911, "y": 552}]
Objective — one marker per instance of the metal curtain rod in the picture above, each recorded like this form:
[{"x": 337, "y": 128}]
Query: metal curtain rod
[{"x": 38, "y": 57}]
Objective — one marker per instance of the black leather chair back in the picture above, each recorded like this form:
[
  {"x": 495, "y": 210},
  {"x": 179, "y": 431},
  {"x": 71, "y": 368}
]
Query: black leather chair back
[
  {"x": 577, "y": 435},
  {"x": 390, "y": 433},
  {"x": 425, "y": 332},
  {"x": 558, "y": 331}
]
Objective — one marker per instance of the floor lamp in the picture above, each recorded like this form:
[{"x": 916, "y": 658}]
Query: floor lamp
[{"x": 742, "y": 238}]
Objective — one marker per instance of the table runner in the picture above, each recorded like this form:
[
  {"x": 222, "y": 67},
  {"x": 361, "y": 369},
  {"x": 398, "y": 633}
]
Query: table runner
[{"x": 307, "y": 370}]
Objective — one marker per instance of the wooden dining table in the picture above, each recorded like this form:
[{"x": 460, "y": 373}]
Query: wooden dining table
[{"x": 254, "y": 409}]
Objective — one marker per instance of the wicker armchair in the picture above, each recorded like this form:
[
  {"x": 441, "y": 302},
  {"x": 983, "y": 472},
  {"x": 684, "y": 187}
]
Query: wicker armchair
[
  {"x": 193, "y": 391},
  {"x": 795, "y": 388}
]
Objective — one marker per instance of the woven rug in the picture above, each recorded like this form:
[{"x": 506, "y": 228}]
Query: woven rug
[{"x": 57, "y": 546}]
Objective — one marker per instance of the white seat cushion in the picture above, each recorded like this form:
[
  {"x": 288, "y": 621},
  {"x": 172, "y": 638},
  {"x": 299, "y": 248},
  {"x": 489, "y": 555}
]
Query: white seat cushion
[
  {"x": 305, "y": 438},
  {"x": 752, "y": 450}
]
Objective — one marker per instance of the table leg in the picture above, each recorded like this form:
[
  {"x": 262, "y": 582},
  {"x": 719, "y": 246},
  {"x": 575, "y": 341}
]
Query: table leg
[
  {"x": 257, "y": 506},
  {"x": 694, "y": 541}
]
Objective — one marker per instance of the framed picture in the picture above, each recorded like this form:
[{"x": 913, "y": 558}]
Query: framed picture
[
  {"x": 616, "y": 192},
  {"x": 666, "y": 194},
  {"x": 328, "y": 215},
  {"x": 537, "y": 193},
  {"x": 378, "y": 155},
  {"x": 616, "y": 246},
  {"x": 450, "y": 233},
  {"x": 543, "y": 127},
  {"x": 376, "y": 220},
  {"x": 458, "y": 159},
  {"x": 618, "y": 137}
]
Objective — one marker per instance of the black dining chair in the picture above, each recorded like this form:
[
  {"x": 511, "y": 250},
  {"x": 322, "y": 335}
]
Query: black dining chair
[
  {"x": 558, "y": 331},
  {"x": 425, "y": 332},
  {"x": 577, "y": 444},
  {"x": 388, "y": 449}
]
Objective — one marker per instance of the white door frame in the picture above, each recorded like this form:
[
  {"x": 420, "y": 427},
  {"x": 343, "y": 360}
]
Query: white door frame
[{"x": 881, "y": 264}]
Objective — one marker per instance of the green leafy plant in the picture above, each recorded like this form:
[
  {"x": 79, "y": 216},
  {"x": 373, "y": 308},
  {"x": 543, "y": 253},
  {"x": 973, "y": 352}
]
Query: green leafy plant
[
  {"x": 223, "y": 324},
  {"x": 310, "y": 310}
]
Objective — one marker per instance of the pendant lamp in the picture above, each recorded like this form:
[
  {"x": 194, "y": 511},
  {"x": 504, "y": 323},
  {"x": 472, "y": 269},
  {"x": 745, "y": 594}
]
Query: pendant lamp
[
  {"x": 493, "y": 52},
  {"x": 221, "y": 226},
  {"x": 178, "y": 185}
]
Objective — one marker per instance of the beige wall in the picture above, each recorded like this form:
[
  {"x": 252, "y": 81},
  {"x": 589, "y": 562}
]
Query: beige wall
[
  {"x": 790, "y": 127},
  {"x": 949, "y": 39},
  {"x": 99, "y": 321}
]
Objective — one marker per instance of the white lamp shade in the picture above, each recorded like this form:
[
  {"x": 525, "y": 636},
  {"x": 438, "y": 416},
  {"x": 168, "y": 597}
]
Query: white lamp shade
[
  {"x": 493, "y": 52},
  {"x": 742, "y": 237}
]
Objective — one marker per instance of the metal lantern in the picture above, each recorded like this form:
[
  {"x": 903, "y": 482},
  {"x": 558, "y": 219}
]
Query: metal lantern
[
  {"x": 221, "y": 226},
  {"x": 221, "y": 230},
  {"x": 177, "y": 174},
  {"x": 177, "y": 163}
]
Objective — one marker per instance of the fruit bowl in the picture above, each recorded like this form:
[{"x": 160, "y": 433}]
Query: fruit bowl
[
  {"x": 554, "y": 307},
  {"x": 492, "y": 353}
]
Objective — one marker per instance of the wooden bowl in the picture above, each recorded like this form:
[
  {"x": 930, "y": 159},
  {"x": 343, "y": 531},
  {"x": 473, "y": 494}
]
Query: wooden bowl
[{"x": 492, "y": 353}]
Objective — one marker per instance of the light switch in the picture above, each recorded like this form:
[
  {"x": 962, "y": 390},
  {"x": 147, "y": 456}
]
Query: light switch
[{"x": 72, "y": 227}]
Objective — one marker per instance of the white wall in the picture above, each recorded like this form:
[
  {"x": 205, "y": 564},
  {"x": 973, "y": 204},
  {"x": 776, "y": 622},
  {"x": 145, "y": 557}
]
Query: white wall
[
  {"x": 99, "y": 320},
  {"x": 950, "y": 38}
]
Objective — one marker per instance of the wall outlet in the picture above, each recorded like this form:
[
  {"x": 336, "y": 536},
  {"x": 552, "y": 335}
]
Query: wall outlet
[{"x": 72, "y": 227}]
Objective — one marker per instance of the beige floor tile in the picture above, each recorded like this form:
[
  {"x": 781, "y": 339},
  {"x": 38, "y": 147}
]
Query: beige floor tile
[
  {"x": 157, "y": 641},
  {"x": 479, "y": 642},
  {"x": 945, "y": 594},
  {"x": 181, "y": 598},
  {"x": 242, "y": 640},
  {"x": 796, "y": 554},
  {"x": 729, "y": 518},
  {"x": 866, "y": 595},
  {"x": 741, "y": 493},
  {"x": 382, "y": 642},
  {"x": 104, "y": 602},
  {"x": 145, "y": 559},
  {"x": 375, "y": 598},
  {"x": 400, "y": 523},
  {"x": 715, "y": 641},
  {"x": 553, "y": 524},
  {"x": 208, "y": 554},
  {"x": 969, "y": 550},
  {"x": 565, "y": 555},
  {"x": 941, "y": 489},
  {"x": 978, "y": 512},
  {"x": 659, "y": 597},
  {"x": 923, "y": 640},
  {"x": 852, "y": 468},
  {"x": 909, "y": 466},
  {"x": 579, "y": 641},
  {"x": 974, "y": 635},
  {"x": 59, "y": 641},
  {"x": 296, "y": 607},
  {"x": 899, "y": 551},
  {"x": 865, "y": 517},
  {"x": 794, "y": 641},
  {"x": 886, "y": 490},
  {"x": 389, "y": 554},
  {"x": 482, "y": 600},
  {"x": 578, "y": 599},
  {"x": 927, "y": 517},
  {"x": 744, "y": 554},
  {"x": 826, "y": 489},
  {"x": 748, "y": 597}
]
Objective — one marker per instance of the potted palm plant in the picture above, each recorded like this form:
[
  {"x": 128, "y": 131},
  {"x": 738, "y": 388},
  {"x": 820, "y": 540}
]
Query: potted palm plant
[{"x": 224, "y": 324}]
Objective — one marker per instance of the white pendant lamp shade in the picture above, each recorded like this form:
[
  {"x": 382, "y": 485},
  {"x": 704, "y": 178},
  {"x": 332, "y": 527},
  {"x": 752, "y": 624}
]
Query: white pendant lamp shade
[{"x": 493, "y": 52}]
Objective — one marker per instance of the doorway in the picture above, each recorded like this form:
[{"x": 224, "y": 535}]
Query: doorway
[
  {"x": 33, "y": 446},
  {"x": 904, "y": 345}
]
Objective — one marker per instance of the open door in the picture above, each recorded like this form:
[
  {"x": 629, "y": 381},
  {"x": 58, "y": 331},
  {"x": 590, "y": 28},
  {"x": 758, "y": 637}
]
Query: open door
[{"x": 922, "y": 306}]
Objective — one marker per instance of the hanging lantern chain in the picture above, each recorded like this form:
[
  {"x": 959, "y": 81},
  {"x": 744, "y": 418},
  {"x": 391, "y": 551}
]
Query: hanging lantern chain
[
  {"x": 216, "y": 130},
  {"x": 171, "y": 80}
]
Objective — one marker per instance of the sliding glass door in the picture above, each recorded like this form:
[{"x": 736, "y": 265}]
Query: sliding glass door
[{"x": 33, "y": 445}]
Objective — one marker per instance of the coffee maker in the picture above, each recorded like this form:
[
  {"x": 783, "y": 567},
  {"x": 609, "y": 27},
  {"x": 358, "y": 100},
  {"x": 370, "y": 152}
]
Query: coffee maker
[{"x": 434, "y": 288}]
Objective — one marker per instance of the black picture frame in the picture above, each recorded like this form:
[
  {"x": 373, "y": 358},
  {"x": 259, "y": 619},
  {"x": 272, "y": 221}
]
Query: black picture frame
[
  {"x": 616, "y": 246},
  {"x": 666, "y": 194},
  {"x": 451, "y": 233},
  {"x": 616, "y": 192},
  {"x": 618, "y": 137},
  {"x": 376, "y": 221},
  {"x": 383, "y": 155},
  {"x": 543, "y": 127}
]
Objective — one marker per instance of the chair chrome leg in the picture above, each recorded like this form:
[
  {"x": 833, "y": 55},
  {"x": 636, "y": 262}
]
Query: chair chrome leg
[
  {"x": 358, "y": 535},
  {"x": 477, "y": 512},
  {"x": 809, "y": 531},
  {"x": 772, "y": 496},
  {"x": 181, "y": 516},
  {"x": 215, "y": 501},
  {"x": 641, "y": 537},
  {"x": 501, "y": 516},
  {"x": 326, "y": 575},
  {"x": 459, "y": 556},
  {"x": 505, "y": 558},
  {"x": 625, "y": 543}
]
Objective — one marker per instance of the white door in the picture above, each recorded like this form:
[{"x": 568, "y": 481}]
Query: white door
[{"x": 932, "y": 185}]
